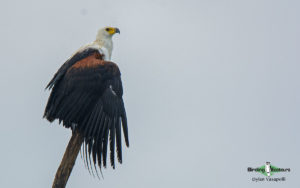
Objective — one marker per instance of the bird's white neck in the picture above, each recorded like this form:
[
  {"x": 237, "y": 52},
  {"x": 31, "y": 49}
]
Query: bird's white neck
[{"x": 106, "y": 45}]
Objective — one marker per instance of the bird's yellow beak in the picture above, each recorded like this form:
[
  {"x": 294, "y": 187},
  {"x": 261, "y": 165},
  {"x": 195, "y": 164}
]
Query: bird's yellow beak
[{"x": 112, "y": 30}]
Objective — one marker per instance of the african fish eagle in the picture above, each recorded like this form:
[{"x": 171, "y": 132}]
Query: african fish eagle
[{"x": 86, "y": 96}]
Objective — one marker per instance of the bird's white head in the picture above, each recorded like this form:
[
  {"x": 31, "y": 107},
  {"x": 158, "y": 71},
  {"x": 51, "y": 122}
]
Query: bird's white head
[
  {"x": 104, "y": 38},
  {"x": 107, "y": 32}
]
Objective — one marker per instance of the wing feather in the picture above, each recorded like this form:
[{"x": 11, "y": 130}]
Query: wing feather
[
  {"x": 105, "y": 141},
  {"x": 125, "y": 128},
  {"x": 119, "y": 139},
  {"x": 112, "y": 143}
]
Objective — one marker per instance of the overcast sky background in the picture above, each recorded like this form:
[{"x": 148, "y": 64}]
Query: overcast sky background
[{"x": 210, "y": 87}]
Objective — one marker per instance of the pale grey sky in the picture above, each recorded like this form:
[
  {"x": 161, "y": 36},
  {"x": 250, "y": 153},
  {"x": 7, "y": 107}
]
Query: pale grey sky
[{"x": 211, "y": 88}]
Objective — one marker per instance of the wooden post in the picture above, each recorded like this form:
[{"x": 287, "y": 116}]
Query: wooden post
[{"x": 65, "y": 168}]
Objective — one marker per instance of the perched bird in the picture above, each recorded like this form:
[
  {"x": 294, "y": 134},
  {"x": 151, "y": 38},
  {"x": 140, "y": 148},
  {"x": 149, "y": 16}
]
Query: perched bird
[{"x": 86, "y": 96}]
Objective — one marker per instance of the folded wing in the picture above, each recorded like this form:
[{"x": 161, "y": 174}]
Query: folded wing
[{"x": 87, "y": 96}]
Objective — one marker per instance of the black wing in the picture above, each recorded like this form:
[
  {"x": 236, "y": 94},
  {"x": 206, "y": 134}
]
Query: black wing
[
  {"x": 74, "y": 59},
  {"x": 87, "y": 95}
]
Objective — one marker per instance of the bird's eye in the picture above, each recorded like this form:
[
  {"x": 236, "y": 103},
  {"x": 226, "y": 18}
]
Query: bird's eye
[{"x": 107, "y": 29}]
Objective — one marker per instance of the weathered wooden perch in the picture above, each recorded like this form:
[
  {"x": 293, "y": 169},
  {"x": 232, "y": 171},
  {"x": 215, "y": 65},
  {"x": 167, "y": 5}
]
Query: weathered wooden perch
[{"x": 65, "y": 168}]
